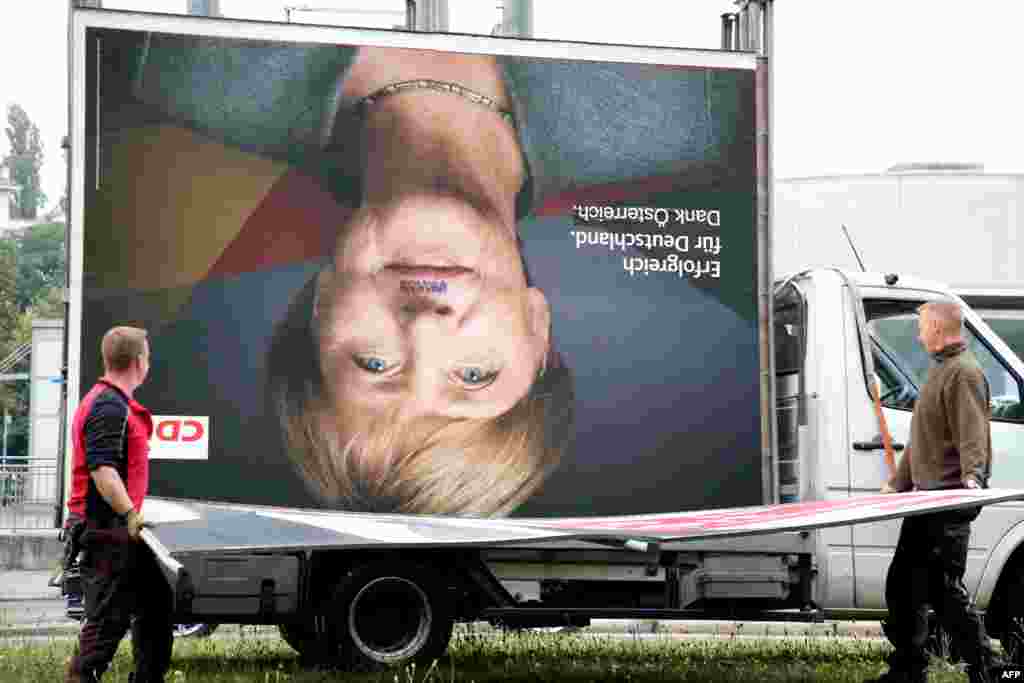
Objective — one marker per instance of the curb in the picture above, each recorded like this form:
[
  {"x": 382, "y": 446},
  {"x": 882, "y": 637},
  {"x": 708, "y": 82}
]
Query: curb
[
  {"x": 711, "y": 630},
  {"x": 827, "y": 629},
  {"x": 50, "y": 630},
  {"x": 856, "y": 630},
  {"x": 17, "y": 585},
  {"x": 29, "y": 549},
  {"x": 722, "y": 629}
]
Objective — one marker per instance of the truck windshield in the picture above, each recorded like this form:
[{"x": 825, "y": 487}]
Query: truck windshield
[
  {"x": 902, "y": 364},
  {"x": 1009, "y": 325}
]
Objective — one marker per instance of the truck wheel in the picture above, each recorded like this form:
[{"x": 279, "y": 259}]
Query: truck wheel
[{"x": 384, "y": 616}]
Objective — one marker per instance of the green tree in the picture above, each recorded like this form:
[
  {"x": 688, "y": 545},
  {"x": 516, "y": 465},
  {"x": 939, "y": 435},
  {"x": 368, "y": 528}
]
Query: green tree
[
  {"x": 8, "y": 295},
  {"x": 41, "y": 262},
  {"x": 9, "y": 316},
  {"x": 25, "y": 160},
  {"x": 49, "y": 305}
]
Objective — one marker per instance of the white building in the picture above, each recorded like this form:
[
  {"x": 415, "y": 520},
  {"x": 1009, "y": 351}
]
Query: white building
[
  {"x": 44, "y": 409},
  {"x": 952, "y": 223},
  {"x": 948, "y": 222}
]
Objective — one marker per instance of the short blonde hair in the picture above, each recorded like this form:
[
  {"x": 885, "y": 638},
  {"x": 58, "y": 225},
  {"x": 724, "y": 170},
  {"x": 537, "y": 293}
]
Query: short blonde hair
[
  {"x": 948, "y": 314},
  {"x": 121, "y": 346},
  {"x": 425, "y": 465}
]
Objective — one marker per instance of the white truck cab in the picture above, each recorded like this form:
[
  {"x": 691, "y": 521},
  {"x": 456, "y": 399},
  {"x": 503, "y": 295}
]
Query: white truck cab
[
  {"x": 834, "y": 331},
  {"x": 827, "y": 322}
]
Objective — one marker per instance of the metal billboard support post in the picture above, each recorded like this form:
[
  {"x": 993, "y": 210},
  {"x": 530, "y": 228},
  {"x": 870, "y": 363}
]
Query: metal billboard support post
[
  {"x": 728, "y": 24},
  {"x": 58, "y": 513},
  {"x": 516, "y": 19},
  {"x": 430, "y": 16},
  {"x": 410, "y": 15},
  {"x": 3, "y": 458},
  {"x": 204, "y": 8},
  {"x": 750, "y": 30},
  {"x": 765, "y": 221}
]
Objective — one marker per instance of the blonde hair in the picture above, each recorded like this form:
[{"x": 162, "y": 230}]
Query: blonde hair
[
  {"x": 425, "y": 465},
  {"x": 947, "y": 314},
  {"x": 481, "y": 467},
  {"x": 121, "y": 346}
]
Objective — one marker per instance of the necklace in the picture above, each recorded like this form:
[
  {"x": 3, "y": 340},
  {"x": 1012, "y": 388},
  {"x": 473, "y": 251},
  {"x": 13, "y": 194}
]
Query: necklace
[{"x": 364, "y": 103}]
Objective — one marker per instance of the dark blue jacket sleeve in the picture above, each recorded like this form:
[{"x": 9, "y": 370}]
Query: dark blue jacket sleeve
[
  {"x": 105, "y": 431},
  {"x": 278, "y": 99}
]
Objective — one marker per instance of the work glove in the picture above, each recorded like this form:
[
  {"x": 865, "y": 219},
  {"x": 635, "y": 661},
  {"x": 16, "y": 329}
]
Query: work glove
[{"x": 135, "y": 523}]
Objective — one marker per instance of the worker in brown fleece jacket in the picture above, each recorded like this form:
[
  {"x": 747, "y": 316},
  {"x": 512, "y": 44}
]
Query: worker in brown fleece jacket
[{"x": 950, "y": 447}]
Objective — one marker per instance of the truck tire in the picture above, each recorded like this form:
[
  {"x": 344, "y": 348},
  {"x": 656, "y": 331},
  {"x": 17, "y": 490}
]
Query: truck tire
[{"x": 383, "y": 615}]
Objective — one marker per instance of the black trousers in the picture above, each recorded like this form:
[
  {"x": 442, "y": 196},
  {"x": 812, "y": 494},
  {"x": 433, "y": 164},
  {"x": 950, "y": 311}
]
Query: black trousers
[
  {"x": 121, "y": 580},
  {"x": 928, "y": 569}
]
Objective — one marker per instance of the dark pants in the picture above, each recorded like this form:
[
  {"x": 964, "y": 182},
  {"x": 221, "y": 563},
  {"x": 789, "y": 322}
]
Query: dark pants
[
  {"x": 122, "y": 580},
  {"x": 928, "y": 569}
]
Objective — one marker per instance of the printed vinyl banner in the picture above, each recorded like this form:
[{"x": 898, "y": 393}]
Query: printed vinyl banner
[
  {"x": 183, "y": 528},
  {"x": 424, "y": 281}
]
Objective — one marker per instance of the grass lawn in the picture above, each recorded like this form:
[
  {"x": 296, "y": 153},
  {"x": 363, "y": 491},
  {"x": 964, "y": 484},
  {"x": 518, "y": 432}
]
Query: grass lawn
[{"x": 502, "y": 657}]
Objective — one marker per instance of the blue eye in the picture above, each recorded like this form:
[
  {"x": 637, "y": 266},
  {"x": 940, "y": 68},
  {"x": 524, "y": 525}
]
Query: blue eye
[
  {"x": 371, "y": 364},
  {"x": 475, "y": 377}
]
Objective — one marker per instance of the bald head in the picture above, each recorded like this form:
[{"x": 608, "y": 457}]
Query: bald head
[{"x": 941, "y": 323}]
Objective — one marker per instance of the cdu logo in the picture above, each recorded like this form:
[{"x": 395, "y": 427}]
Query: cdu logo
[{"x": 180, "y": 438}]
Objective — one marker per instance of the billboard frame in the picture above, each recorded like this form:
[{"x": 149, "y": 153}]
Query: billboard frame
[{"x": 82, "y": 19}]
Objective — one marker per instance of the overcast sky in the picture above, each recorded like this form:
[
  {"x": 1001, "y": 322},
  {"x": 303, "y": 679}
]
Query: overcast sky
[{"x": 859, "y": 86}]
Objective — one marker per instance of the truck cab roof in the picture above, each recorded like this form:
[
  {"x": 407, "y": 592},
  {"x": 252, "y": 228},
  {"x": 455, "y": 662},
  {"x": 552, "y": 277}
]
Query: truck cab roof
[{"x": 876, "y": 279}]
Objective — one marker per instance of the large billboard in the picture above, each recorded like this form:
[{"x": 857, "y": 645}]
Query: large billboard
[{"x": 394, "y": 272}]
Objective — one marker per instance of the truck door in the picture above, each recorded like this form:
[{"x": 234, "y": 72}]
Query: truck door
[
  {"x": 902, "y": 367},
  {"x": 811, "y": 417}
]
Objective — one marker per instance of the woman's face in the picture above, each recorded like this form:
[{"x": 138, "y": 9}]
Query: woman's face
[{"x": 427, "y": 311}]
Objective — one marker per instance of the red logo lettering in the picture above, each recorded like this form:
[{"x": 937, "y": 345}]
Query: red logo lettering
[
  {"x": 168, "y": 430},
  {"x": 196, "y": 428},
  {"x": 185, "y": 431}
]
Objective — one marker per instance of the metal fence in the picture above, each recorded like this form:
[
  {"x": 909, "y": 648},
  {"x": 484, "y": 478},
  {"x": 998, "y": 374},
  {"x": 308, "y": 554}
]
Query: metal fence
[{"x": 28, "y": 494}]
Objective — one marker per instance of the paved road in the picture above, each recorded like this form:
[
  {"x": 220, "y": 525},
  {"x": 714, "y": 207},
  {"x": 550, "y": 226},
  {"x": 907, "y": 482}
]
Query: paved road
[
  {"x": 26, "y": 613},
  {"x": 26, "y": 516},
  {"x": 26, "y": 585}
]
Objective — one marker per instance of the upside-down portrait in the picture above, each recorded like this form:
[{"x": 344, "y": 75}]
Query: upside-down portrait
[{"x": 361, "y": 263}]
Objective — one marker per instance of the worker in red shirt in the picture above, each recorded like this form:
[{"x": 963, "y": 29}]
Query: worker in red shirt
[{"x": 110, "y": 476}]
